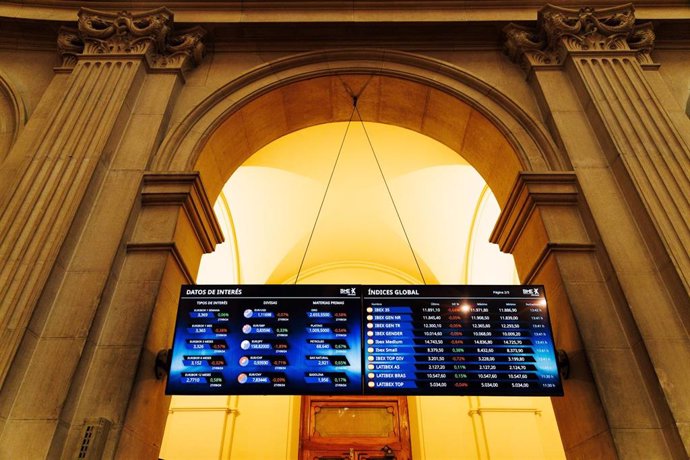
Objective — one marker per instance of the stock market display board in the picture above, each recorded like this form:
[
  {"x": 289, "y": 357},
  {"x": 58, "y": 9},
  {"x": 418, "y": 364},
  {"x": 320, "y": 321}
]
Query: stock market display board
[{"x": 355, "y": 339}]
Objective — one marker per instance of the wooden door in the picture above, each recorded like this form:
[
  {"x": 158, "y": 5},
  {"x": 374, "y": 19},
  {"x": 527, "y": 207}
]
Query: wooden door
[{"x": 354, "y": 428}]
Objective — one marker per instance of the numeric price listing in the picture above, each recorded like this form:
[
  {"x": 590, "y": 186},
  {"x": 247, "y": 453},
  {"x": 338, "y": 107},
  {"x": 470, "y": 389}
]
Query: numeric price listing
[{"x": 459, "y": 340}]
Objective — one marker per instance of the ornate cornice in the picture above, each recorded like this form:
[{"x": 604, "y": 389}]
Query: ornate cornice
[
  {"x": 561, "y": 31},
  {"x": 149, "y": 34}
]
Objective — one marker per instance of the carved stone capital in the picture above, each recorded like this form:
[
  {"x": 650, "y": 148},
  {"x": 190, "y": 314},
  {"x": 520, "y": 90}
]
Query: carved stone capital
[
  {"x": 528, "y": 47},
  {"x": 561, "y": 31},
  {"x": 182, "y": 49},
  {"x": 149, "y": 34},
  {"x": 69, "y": 45},
  {"x": 124, "y": 32}
]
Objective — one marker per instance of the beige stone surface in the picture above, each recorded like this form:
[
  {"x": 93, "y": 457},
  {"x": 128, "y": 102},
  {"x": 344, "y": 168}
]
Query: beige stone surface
[
  {"x": 115, "y": 357},
  {"x": 599, "y": 446},
  {"x": 496, "y": 69},
  {"x": 214, "y": 169},
  {"x": 582, "y": 267},
  {"x": 30, "y": 73},
  {"x": 640, "y": 443},
  {"x": 653, "y": 244},
  {"x": 108, "y": 364},
  {"x": 156, "y": 224},
  {"x": 386, "y": 100},
  {"x": 65, "y": 163},
  {"x": 619, "y": 363},
  {"x": 143, "y": 266},
  {"x": 142, "y": 137},
  {"x": 117, "y": 342},
  {"x": 603, "y": 192},
  {"x": 632, "y": 115},
  {"x": 684, "y": 429},
  {"x": 68, "y": 307},
  {"x": 304, "y": 103},
  {"x": 673, "y": 70},
  {"x": 188, "y": 99},
  {"x": 603, "y": 328},
  {"x": 187, "y": 243},
  {"x": 128, "y": 318},
  {"x": 443, "y": 120},
  {"x": 133, "y": 446},
  {"x": 563, "y": 322},
  {"x": 651, "y": 149},
  {"x": 27, "y": 396},
  {"x": 667, "y": 354},
  {"x": 102, "y": 223},
  {"x": 579, "y": 140},
  {"x": 580, "y": 416},
  {"x": 148, "y": 405},
  {"x": 613, "y": 366},
  {"x": 533, "y": 242},
  {"x": 79, "y": 294},
  {"x": 21, "y": 437},
  {"x": 156, "y": 94},
  {"x": 653, "y": 309},
  {"x": 78, "y": 245},
  {"x": 12, "y": 115}
]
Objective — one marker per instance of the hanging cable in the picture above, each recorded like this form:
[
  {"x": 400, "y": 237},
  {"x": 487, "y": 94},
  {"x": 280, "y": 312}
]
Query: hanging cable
[
  {"x": 414, "y": 256},
  {"x": 323, "y": 200}
]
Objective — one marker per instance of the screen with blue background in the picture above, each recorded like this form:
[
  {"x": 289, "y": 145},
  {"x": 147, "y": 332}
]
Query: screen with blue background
[
  {"x": 353, "y": 339},
  {"x": 267, "y": 339}
]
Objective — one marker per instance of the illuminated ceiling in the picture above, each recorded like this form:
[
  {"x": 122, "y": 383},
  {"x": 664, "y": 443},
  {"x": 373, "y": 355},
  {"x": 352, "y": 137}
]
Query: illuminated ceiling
[{"x": 269, "y": 205}]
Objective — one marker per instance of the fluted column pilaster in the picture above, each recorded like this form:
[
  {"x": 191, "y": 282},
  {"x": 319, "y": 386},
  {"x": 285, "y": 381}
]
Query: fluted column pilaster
[
  {"x": 74, "y": 174},
  {"x": 589, "y": 69}
]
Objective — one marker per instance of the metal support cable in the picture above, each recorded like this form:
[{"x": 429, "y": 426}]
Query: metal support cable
[
  {"x": 325, "y": 193},
  {"x": 385, "y": 182},
  {"x": 383, "y": 176}
]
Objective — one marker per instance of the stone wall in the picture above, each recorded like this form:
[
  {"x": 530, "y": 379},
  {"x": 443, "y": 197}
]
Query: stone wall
[{"x": 102, "y": 214}]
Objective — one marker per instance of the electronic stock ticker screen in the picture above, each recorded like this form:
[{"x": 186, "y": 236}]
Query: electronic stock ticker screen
[{"x": 371, "y": 340}]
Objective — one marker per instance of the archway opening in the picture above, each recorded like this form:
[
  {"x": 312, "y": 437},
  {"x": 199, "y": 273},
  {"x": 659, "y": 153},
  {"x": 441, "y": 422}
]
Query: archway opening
[
  {"x": 431, "y": 110},
  {"x": 267, "y": 209}
]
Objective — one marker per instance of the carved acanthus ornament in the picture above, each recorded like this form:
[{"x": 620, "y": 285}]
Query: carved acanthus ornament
[
  {"x": 70, "y": 45},
  {"x": 561, "y": 31},
  {"x": 148, "y": 34}
]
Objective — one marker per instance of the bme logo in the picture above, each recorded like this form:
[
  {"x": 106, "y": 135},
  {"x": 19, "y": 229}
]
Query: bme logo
[
  {"x": 348, "y": 291},
  {"x": 531, "y": 291}
]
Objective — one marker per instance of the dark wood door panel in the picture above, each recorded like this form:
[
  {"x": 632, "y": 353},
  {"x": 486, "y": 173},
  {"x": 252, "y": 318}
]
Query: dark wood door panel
[{"x": 354, "y": 428}]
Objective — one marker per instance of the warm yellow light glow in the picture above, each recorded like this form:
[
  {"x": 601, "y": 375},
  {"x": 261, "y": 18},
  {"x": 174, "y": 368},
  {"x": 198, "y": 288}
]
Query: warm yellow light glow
[
  {"x": 272, "y": 201},
  {"x": 267, "y": 211}
]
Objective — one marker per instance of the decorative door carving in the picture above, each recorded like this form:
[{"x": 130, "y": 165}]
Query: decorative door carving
[{"x": 354, "y": 428}]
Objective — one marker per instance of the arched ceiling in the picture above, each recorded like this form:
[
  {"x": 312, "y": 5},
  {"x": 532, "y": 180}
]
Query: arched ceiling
[
  {"x": 11, "y": 116},
  {"x": 395, "y": 101},
  {"x": 273, "y": 199}
]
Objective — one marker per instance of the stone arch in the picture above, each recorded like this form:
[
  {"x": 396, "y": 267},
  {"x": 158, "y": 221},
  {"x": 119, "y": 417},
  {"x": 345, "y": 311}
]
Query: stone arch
[
  {"x": 526, "y": 172},
  {"x": 12, "y": 114},
  {"x": 396, "y": 88}
]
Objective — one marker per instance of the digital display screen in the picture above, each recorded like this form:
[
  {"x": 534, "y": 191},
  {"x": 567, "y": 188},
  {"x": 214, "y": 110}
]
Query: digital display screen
[
  {"x": 267, "y": 339},
  {"x": 458, "y": 340},
  {"x": 372, "y": 340}
]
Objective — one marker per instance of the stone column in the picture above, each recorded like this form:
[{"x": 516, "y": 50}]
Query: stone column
[
  {"x": 546, "y": 227},
  {"x": 75, "y": 173},
  {"x": 590, "y": 71},
  {"x": 171, "y": 228}
]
